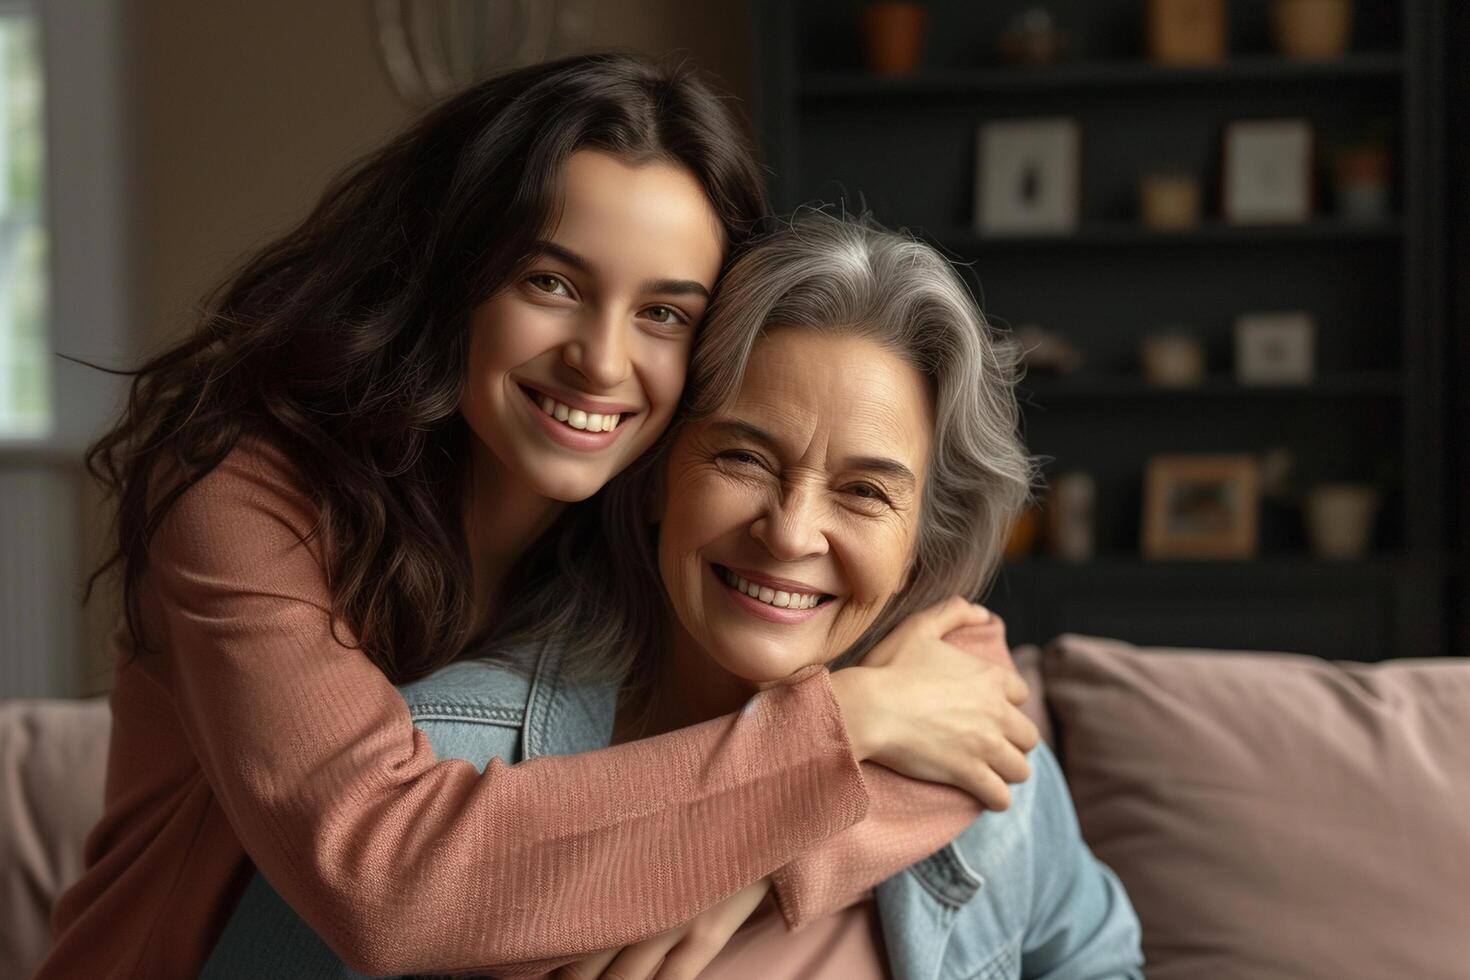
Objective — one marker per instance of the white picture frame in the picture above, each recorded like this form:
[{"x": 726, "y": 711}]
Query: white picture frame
[
  {"x": 1275, "y": 348},
  {"x": 1266, "y": 172},
  {"x": 1027, "y": 176}
]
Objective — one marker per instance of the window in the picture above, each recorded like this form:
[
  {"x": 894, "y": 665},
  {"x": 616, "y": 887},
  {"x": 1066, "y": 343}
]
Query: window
[{"x": 25, "y": 375}]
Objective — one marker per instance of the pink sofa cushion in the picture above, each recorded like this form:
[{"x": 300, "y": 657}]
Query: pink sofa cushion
[
  {"x": 53, "y": 762},
  {"x": 1274, "y": 815}
]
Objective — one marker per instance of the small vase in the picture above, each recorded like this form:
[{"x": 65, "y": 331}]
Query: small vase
[
  {"x": 1340, "y": 519},
  {"x": 1168, "y": 201},
  {"x": 893, "y": 36},
  {"x": 1311, "y": 30},
  {"x": 1172, "y": 360}
]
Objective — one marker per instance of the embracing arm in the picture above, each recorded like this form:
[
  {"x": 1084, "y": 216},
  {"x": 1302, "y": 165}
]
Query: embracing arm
[
  {"x": 908, "y": 819},
  {"x": 401, "y": 861}
]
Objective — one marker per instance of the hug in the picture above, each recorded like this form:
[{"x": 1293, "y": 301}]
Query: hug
[{"x": 574, "y": 592}]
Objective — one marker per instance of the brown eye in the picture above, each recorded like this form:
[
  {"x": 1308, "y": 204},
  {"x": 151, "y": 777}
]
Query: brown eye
[
  {"x": 549, "y": 284},
  {"x": 866, "y": 491},
  {"x": 665, "y": 315}
]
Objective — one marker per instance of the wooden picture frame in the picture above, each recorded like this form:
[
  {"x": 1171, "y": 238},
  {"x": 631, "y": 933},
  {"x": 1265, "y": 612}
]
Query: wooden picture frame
[
  {"x": 1266, "y": 171},
  {"x": 1201, "y": 506},
  {"x": 1028, "y": 176}
]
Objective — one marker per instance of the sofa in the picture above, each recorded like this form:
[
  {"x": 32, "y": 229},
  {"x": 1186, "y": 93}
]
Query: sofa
[{"x": 1272, "y": 815}]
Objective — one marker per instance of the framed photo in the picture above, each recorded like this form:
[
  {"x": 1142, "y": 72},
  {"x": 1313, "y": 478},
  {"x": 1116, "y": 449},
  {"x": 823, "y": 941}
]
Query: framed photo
[
  {"x": 1275, "y": 348},
  {"x": 1201, "y": 506},
  {"x": 1267, "y": 171},
  {"x": 1026, "y": 180}
]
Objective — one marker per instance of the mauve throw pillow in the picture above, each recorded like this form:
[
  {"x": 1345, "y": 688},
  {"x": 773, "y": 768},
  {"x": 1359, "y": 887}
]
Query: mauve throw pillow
[{"x": 1274, "y": 815}]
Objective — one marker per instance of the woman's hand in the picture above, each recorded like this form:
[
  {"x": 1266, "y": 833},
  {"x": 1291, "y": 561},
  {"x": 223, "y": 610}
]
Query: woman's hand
[
  {"x": 928, "y": 710},
  {"x": 679, "y": 954}
]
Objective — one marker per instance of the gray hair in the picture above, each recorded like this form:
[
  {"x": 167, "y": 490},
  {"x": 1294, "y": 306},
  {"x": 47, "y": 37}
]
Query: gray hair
[{"x": 602, "y": 594}]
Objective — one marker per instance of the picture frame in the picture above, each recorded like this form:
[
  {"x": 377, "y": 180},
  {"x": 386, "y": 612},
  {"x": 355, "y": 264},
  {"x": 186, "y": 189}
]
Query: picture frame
[
  {"x": 1028, "y": 174},
  {"x": 1266, "y": 171},
  {"x": 1275, "y": 348},
  {"x": 1201, "y": 506}
]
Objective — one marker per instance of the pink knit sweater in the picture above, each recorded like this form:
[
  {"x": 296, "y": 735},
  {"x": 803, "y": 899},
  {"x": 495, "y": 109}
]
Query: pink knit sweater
[{"x": 257, "y": 738}]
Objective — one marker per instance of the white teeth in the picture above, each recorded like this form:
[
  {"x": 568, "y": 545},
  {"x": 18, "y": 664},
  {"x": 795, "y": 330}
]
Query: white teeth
[
  {"x": 773, "y": 597},
  {"x": 576, "y": 417}
]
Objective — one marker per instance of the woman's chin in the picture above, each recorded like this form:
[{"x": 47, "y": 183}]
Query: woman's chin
[{"x": 759, "y": 661}]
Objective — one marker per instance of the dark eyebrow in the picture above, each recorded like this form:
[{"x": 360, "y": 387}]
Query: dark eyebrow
[
  {"x": 668, "y": 287},
  {"x": 877, "y": 464}
]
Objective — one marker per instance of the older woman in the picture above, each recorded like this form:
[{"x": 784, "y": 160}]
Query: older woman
[{"x": 849, "y": 456}]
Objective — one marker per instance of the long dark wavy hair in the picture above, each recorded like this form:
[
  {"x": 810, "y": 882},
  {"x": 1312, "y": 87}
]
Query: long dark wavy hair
[{"x": 344, "y": 341}]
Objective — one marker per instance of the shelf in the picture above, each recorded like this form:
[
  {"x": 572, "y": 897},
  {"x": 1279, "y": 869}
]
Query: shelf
[
  {"x": 980, "y": 80},
  {"x": 1125, "y": 569},
  {"x": 1127, "y": 234},
  {"x": 1102, "y": 387}
]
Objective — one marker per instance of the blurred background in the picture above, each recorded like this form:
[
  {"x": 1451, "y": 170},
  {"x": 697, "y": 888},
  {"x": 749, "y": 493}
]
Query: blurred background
[{"x": 1230, "y": 235}]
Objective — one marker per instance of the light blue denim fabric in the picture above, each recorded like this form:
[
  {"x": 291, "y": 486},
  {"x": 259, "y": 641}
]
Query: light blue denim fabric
[{"x": 1017, "y": 894}]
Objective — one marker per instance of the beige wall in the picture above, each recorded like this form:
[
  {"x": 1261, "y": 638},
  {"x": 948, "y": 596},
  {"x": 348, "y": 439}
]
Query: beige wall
[{"x": 239, "y": 112}]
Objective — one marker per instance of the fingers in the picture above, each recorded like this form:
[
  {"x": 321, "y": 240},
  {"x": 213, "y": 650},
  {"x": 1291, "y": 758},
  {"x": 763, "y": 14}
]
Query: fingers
[
  {"x": 1020, "y": 731},
  {"x": 948, "y": 615},
  {"x": 988, "y": 788},
  {"x": 589, "y": 968},
  {"x": 1016, "y": 689},
  {"x": 1009, "y": 763},
  {"x": 641, "y": 961}
]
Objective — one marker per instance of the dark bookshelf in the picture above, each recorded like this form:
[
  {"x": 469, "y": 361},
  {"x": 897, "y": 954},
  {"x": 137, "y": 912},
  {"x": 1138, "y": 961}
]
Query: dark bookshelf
[
  {"x": 1094, "y": 75},
  {"x": 905, "y": 149}
]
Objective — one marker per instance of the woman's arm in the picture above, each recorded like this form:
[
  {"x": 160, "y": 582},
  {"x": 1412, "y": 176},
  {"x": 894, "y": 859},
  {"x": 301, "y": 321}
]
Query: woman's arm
[
  {"x": 402, "y": 862},
  {"x": 908, "y": 819}
]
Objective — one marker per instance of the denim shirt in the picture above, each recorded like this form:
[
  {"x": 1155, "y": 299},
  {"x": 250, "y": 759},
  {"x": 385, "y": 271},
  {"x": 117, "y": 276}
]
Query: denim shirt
[{"x": 1017, "y": 894}]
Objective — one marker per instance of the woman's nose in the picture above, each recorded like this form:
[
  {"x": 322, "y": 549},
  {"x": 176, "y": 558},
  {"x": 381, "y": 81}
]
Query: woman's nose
[
  {"x": 791, "y": 527},
  {"x": 599, "y": 352}
]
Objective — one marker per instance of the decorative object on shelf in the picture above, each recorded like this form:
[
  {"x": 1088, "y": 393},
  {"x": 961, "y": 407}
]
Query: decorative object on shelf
[
  {"x": 1028, "y": 179},
  {"x": 1070, "y": 522},
  {"x": 1276, "y": 466},
  {"x": 1168, "y": 202},
  {"x": 1360, "y": 177},
  {"x": 893, "y": 37},
  {"x": 1340, "y": 519},
  {"x": 1023, "y": 534},
  {"x": 1267, "y": 171},
  {"x": 1186, "y": 32},
  {"x": 432, "y": 48},
  {"x": 1201, "y": 506},
  {"x": 1172, "y": 359},
  {"x": 1044, "y": 351},
  {"x": 1275, "y": 348},
  {"x": 1311, "y": 30},
  {"x": 1031, "y": 38}
]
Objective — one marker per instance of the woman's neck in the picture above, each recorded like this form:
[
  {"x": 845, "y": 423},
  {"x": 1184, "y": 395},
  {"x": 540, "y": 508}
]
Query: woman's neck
[
  {"x": 503, "y": 517},
  {"x": 687, "y": 688}
]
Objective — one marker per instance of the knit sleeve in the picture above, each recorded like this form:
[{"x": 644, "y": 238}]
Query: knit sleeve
[
  {"x": 908, "y": 819},
  {"x": 403, "y": 862}
]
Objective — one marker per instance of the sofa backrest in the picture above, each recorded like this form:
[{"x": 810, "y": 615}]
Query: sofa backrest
[{"x": 53, "y": 764}]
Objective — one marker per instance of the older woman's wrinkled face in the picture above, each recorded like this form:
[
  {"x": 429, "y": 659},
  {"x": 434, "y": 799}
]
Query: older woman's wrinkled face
[{"x": 790, "y": 516}]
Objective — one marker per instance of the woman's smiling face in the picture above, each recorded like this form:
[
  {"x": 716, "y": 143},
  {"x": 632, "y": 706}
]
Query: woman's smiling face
[
  {"x": 575, "y": 367},
  {"x": 805, "y": 490}
]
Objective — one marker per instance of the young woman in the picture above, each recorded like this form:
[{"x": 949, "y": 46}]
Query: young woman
[
  {"x": 326, "y": 489},
  {"x": 850, "y": 441}
]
